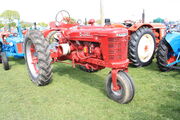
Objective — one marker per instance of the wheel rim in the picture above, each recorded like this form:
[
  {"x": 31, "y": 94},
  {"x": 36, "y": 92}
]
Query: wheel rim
[
  {"x": 32, "y": 59},
  {"x": 146, "y": 47},
  {"x": 118, "y": 92}
]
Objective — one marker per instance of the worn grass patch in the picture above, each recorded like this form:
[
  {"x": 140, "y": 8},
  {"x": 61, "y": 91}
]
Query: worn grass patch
[{"x": 77, "y": 95}]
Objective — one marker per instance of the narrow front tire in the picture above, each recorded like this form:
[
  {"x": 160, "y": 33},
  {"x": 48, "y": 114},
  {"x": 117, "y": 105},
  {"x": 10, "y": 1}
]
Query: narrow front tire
[{"x": 126, "y": 88}]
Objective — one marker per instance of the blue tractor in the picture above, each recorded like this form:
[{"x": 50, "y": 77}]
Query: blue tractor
[
  {"x": 168, "y": 53},
  {"x": 11, "y": 44}
]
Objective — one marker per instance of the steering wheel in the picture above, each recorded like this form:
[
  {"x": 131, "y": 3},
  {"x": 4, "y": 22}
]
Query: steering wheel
[{"x": 63, "y": 16}]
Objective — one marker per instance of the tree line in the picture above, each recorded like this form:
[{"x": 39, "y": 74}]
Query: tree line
[{"x": 8, "y": 17}]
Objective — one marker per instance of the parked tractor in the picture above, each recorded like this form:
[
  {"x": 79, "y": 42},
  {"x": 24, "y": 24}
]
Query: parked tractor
[
  {"x": 89, "y": 46},
  {"x": 168, "y": 54},
  {"x": 143, "y": 41},
  {"x": 11, "y": 44}
]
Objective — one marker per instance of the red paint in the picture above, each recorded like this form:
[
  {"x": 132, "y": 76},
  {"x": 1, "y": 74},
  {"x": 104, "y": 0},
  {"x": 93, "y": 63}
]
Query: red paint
[
  {"x": 34, "y": 58},
  {"x": 171, "y": 59},
  {"x": 93, "y": 47},
  {"x": 114, "y": 72},
  {"x": 146, "y": 48},
  {"x": 157, "y": 28},
  {"x": 91, "y": 22},
  {"x": 20, "y": 47}
]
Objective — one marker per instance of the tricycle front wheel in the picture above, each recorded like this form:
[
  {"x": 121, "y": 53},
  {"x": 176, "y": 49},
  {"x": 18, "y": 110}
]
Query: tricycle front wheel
[{"x": 126, "y": 88}]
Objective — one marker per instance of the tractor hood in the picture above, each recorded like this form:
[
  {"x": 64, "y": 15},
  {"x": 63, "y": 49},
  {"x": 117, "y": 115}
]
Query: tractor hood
[
  {"x": 90, "y": 32},
  {"x": 14, "y": 40}
]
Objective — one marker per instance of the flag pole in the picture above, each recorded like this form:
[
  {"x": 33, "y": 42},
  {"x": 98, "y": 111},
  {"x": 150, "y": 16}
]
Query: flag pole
[{"x": 101, "y": 12}]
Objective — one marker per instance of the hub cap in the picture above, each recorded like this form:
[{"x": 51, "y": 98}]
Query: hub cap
[
  {"x": 145, "y": 48},
  {"x": 118, "y": 92}
]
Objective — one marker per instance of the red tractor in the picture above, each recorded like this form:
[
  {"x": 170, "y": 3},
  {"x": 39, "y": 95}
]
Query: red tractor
[
  {"x": 93, "y": 48},
  {"x": 143, "y": 41}
]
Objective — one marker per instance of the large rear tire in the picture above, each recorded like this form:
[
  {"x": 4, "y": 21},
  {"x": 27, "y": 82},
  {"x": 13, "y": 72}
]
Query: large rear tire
[
  {"x": 142, "y": 47},
  {"x": 127, "y": 90},
  {"x": 164, "y": 53},
  {"x": 37, "y": 57},
  {"x": 5, "y": 61},
  {"x": 51, "y": 37}
]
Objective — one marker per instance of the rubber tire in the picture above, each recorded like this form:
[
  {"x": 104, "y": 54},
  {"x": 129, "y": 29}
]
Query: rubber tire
[
  {"x": 44, "y": 60},
  {"x": 133, "y": 46},
  {"x": 0, "y": 51},
  {"x": 0, "y": 59},
  {"x": 127, "y": 86},
  {"x": 162, "y": 54},
  {"x": 83, "y": 68},
  {"x": 51, "y": 35},
  {"x": 5, "y": 61}
]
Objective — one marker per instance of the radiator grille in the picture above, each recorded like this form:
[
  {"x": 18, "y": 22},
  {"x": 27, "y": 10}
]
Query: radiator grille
[
  {"x": 115, "y": 48},
  {"x": 20, "y": 47}
]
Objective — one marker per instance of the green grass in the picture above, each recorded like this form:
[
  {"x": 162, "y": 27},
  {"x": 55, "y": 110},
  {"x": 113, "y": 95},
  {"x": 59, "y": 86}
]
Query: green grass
[{"x": 76, "y": 95}]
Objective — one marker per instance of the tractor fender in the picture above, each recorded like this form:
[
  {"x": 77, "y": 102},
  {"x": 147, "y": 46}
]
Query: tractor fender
[
  {"x": 157, "y": 28},
  {"x": 173, "y": 39},
  {"x": 46, "y": 32},
  {"x": 150, "y": 25},
  {"x": 136, "y": 26}
]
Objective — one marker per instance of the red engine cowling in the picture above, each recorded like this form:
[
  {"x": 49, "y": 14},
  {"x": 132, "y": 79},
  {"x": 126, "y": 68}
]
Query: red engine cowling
[{"x": 83, "y": 46}]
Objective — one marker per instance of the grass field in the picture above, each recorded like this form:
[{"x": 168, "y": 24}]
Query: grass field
[{"x": 76, "y": 95}]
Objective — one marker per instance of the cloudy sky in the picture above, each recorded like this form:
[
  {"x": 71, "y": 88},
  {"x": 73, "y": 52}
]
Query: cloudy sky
[{"x": 117, "y": 10}]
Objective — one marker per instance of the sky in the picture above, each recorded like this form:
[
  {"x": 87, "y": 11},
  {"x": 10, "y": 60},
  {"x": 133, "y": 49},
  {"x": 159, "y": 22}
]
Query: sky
[{"x": 116, "y": 10}]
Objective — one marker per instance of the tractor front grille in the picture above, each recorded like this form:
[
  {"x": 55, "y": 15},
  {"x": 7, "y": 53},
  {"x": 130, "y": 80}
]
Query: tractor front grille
[
  {"x": 20, "y": 47},
  {"x": 117, "y": 48}
]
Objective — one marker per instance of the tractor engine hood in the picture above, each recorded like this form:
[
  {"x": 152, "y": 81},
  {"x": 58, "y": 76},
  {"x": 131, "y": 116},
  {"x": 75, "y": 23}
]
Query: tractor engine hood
[
  {"x": 91, "y": 32},
  {"x": 14, "y": 39}
]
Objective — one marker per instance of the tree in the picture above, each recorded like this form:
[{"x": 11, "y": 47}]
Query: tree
[
  {"x": 13, "y": 24},
  {"x": 26, "y": 24},
  {"x": 1, "y": 24},
  {"x": 42, "y": 24},
  {"x": 10, "y": 15}
]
